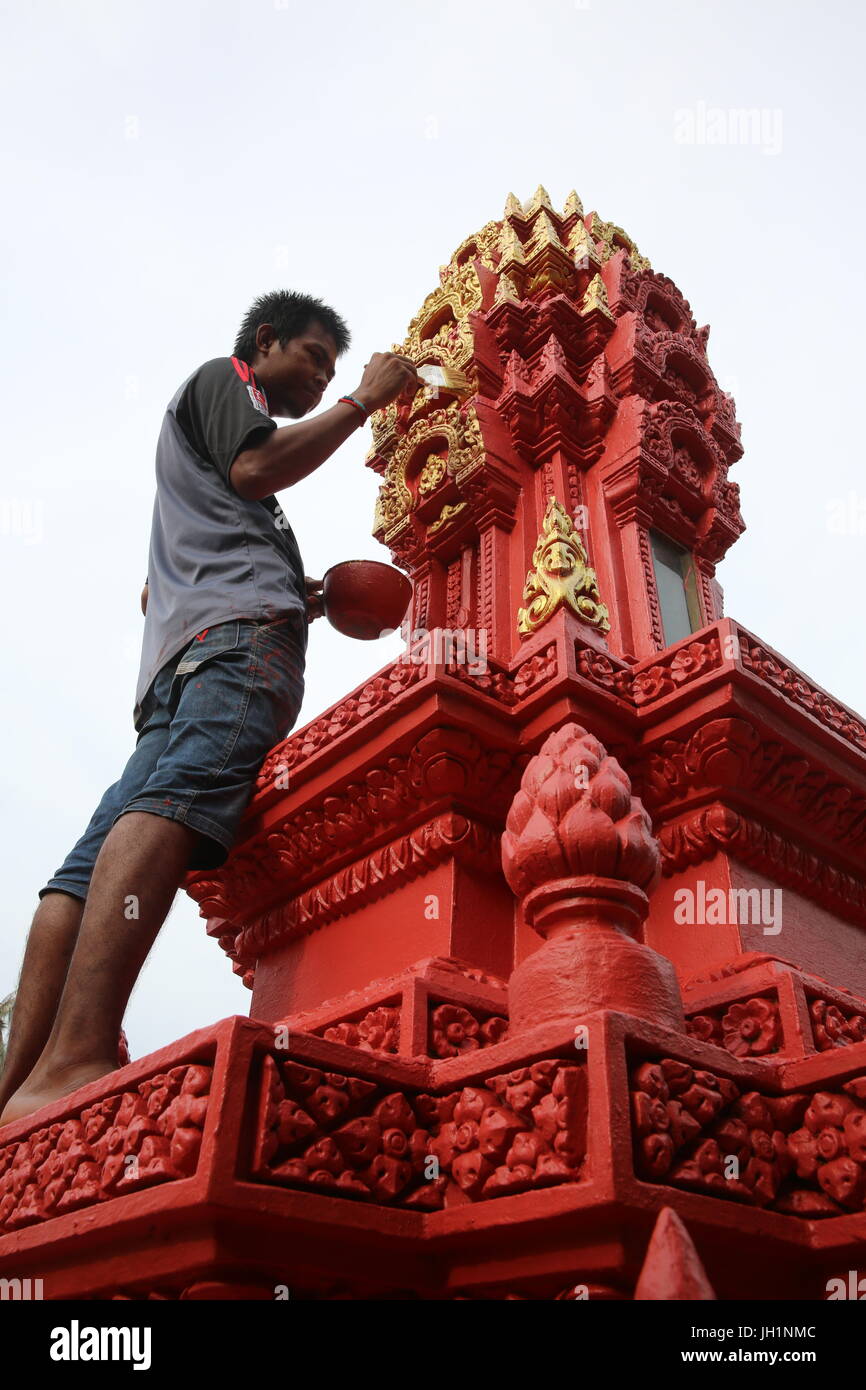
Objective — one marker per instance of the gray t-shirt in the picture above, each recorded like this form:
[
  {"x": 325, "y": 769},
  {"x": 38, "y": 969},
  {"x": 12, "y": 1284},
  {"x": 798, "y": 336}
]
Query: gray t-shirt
[{"x": 214, "y": 556}]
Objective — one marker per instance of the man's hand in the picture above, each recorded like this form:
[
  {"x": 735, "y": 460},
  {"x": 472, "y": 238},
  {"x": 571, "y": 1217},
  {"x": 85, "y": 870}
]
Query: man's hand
[
  {"x": 144, "y": 593},
  {"x": 387, "y": 375},
  {"x": 315, "y": 600}
]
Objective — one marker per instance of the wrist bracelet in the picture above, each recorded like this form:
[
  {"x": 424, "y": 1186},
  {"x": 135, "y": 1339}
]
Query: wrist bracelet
[{"x": 359, "y": 405}]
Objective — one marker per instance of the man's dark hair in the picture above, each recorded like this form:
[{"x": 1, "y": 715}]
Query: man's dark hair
[{"x": 290, "y": 314}]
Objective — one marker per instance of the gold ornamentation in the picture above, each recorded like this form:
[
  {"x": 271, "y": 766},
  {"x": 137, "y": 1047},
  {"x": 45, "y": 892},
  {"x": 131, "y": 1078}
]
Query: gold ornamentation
[
  {"x": 544, "y": 233},
  {"x": 448, "y": 511},
  {"x": 480, "y": 246},
  {"x": 572, "y": 205},
  {"x": 562, "y": 575},
  {"x": 451, "y": 341},
  {"x": 511, "y": 247},
  {"x": 383, "y": 424},
  {"x": 431, "y": 474},
  {"x": 540, "y": 199},
  {"x": 612, "y": 238},
  {"x": 513, "y": 208},
  {"x": 581, "y": 244},
  {"x": 441, "y": 334},
  {"x": 506, "y": 289},
  {"x": 595, "y": 298},
  {"x": 392, "y": 502},
  {"x": 472, "y": 445},
  {"x": 464, "y": 447}
]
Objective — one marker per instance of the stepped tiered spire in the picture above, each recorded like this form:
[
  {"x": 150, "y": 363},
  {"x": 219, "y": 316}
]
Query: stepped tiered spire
[{"x": 625, "y": 422}]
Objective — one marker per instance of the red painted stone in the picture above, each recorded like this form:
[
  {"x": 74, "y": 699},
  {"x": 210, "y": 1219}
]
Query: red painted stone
[
  {"x": 486, "y": 1046},
  {"x": 672, "y": 1268}
]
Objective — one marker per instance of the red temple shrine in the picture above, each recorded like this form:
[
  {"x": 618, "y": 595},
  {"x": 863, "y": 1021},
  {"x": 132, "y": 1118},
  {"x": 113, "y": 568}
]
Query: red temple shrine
[{"x": 554, "y": 926}]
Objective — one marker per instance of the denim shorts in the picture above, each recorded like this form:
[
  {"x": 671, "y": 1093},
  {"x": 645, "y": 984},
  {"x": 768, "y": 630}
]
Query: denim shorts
[{"x": 209, "y": 720}]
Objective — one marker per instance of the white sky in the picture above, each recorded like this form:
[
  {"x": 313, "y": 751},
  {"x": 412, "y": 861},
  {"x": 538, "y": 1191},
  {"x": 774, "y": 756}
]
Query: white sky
[{"x": 164, "y": 163}]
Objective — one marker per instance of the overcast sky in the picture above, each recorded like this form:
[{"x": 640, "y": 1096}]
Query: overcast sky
[{"x": 165, "y": 163}]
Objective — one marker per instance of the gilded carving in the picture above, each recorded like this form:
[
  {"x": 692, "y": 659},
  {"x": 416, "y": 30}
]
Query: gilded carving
[
  {"x": 581, "y": 245},
  {"x": 393, "y": 501},
  {"x": 513, "y": 207},
  {"x": 573, "y": 206},
  {"x": 448, "y": 512},
  {"x": 480, "y": 245},
  {"x": 465, "y": 453},
  {"x": 431, "y": 474},
  {"x": 441, "y": 326},
  {"x": 562, "y": 575},
  {"x": 595, "y": 298},
  {"x": 383, "y": 426},
  {"x": 506, "y": 290},
  {"x": 544, "y": 233},
  {"x": 539, "y": 199},
  {"x": 612, "y": 238}
]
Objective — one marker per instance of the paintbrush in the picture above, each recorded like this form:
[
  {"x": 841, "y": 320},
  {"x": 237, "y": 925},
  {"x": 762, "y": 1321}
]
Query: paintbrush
[{"x": 439, "y": 378}]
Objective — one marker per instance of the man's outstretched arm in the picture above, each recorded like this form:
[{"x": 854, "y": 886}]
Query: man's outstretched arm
[
  {"x": 144, "y": 593},
  {"x": 290, "y": 453}
]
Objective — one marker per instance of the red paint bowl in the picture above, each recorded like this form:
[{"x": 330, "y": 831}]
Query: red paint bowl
[{"x": 364, "y": 598}]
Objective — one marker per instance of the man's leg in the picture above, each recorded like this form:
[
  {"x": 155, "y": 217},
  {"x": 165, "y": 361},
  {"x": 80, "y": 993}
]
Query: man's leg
[
  {"x": 137, "y": 873},
  {"x": 241, "y": 692},
  {"x": 58, "y": 918},
  {"x": 43, "y": 975}
]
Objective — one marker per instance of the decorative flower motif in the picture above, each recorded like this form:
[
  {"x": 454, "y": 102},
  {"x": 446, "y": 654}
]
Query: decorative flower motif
[
  {"x": 378, "y": 1030},
  {"x": 342, "y": 717},
  {"x": 454, "y": 1030},
  {"x": 803, "y": 1148},
  {"x": 704, "y": 1027},
  {"x": 693, "y": 660},
  {"x": 752, "y": 1027},
  {"x": 374, "y": 694},
  {"x": 763, "y": 663},
  {"x": 830, "y": 1026},
  {"x": 599, "y": 668},
  {"x": 829, "y": 1143},
  {"x": 493, "y": 1030},
  {"x": 651, "y": 684}
]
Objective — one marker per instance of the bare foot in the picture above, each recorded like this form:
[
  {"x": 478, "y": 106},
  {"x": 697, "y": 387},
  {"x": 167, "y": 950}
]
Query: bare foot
[{"x": 39, "y": 1091}]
